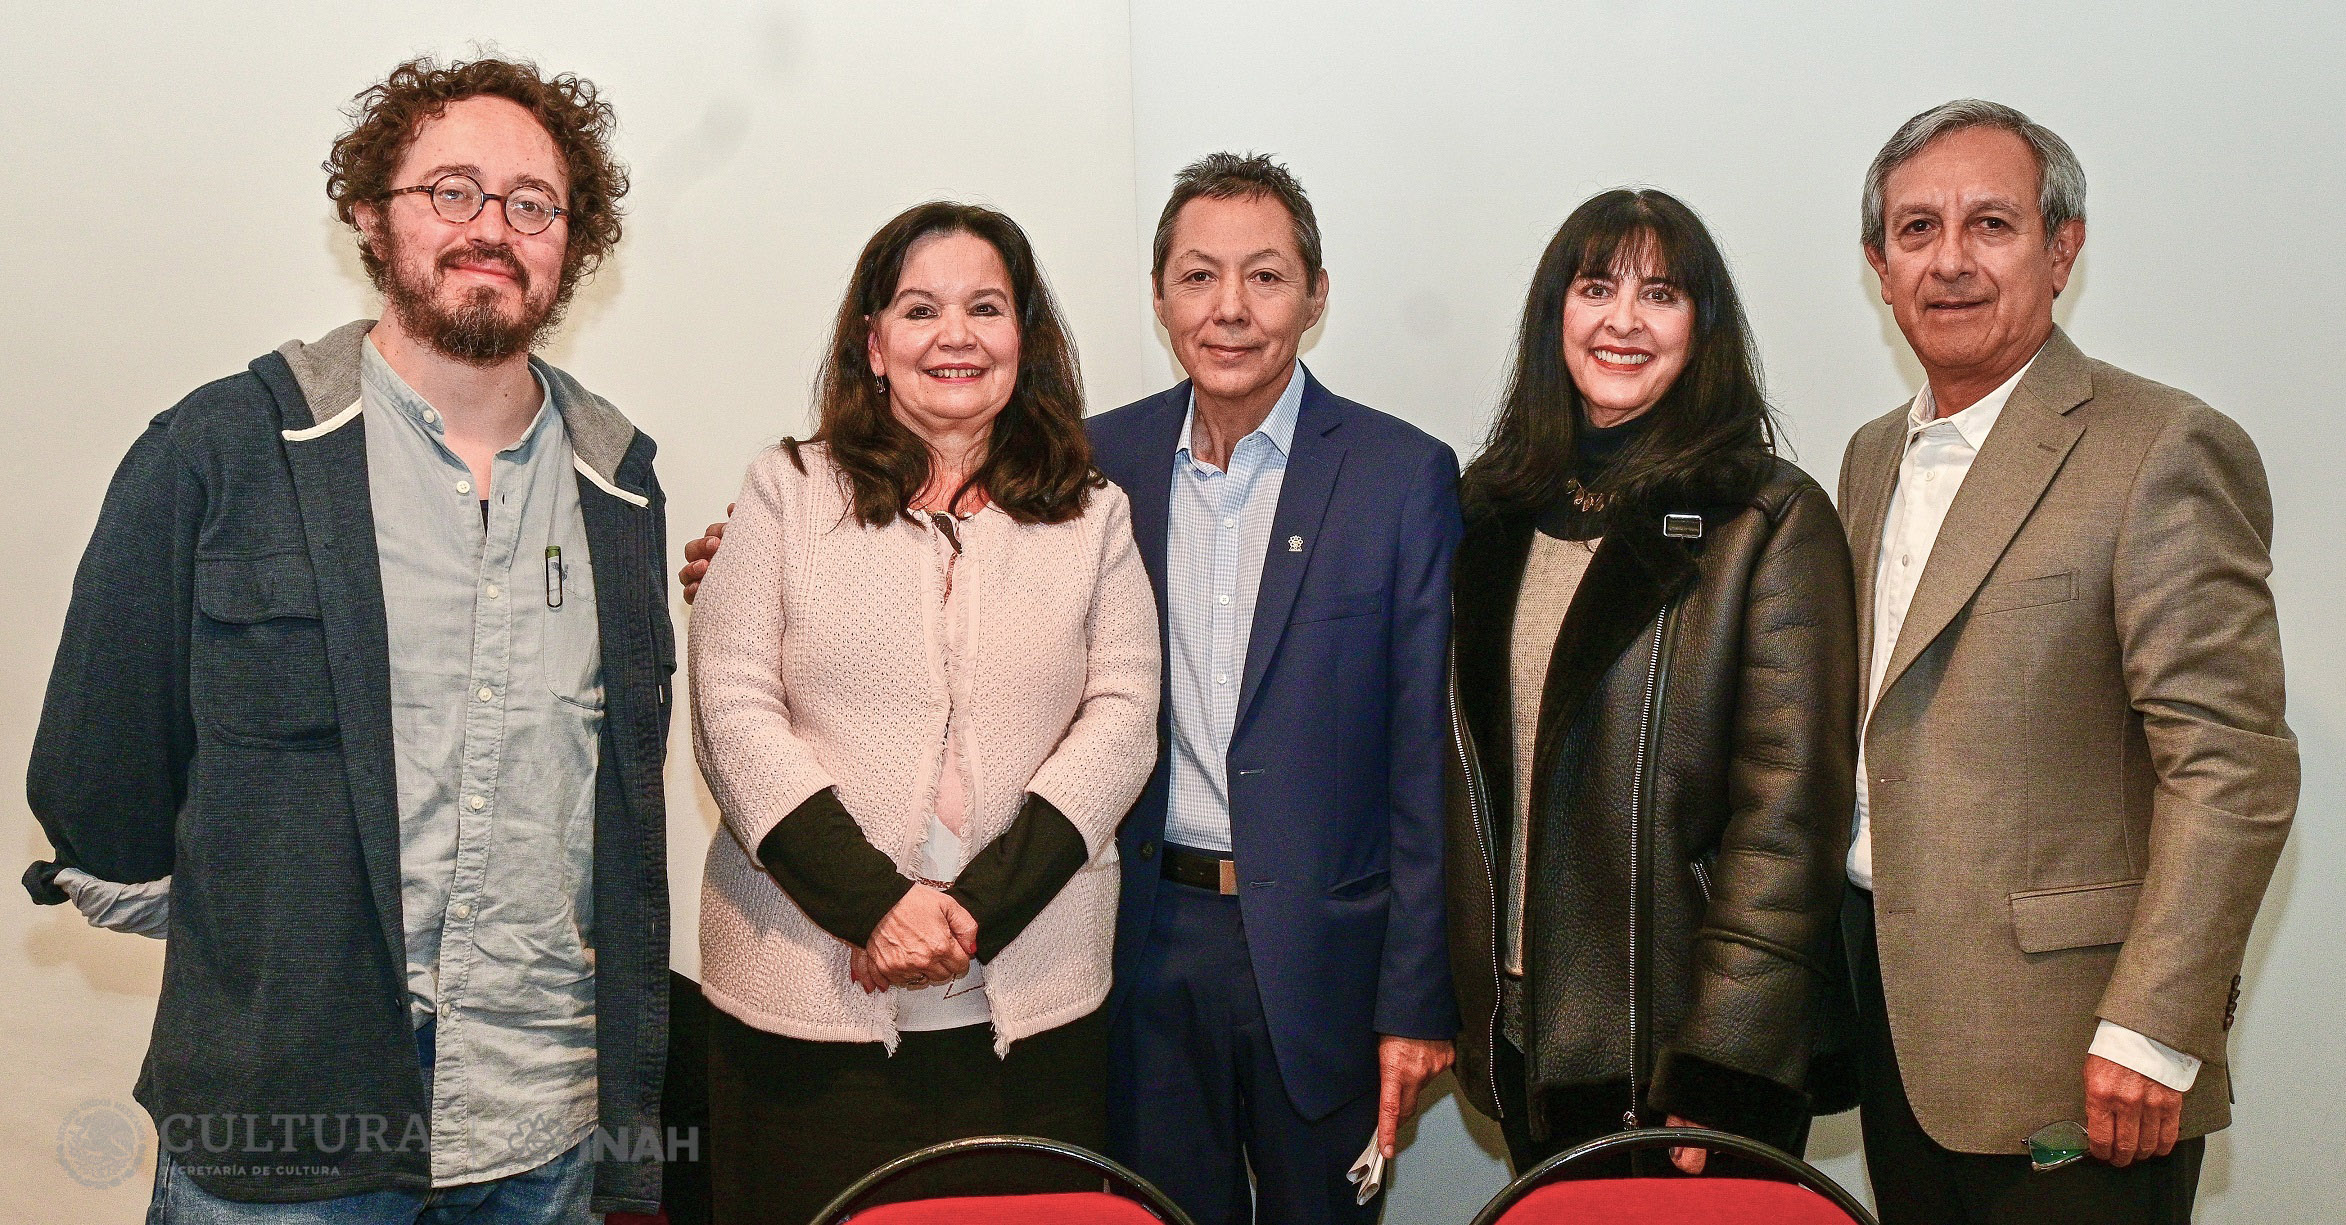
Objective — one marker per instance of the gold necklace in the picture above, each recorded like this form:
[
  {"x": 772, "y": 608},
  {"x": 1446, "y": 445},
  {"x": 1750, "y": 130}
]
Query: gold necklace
[{"x": 1585, "y": 500}]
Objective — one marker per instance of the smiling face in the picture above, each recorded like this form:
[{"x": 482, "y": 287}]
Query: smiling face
[
  {"x": 1966, "y": 265},
  {"x": 479, "y": 292},
  {"x": 947, "y": 341},
  {"x": 1236, "y": 298},
  {"x": 1627, "y": 335}
]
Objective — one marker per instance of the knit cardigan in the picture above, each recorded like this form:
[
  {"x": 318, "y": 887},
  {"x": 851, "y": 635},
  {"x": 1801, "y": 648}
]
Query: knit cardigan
[{"x": 811, "y": 668}]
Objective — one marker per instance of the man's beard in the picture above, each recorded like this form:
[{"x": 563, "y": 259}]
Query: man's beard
[{"x": 474, "y": 331}]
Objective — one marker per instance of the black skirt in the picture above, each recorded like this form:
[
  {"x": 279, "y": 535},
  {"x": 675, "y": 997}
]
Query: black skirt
[{"x": 793, "y": 1123}]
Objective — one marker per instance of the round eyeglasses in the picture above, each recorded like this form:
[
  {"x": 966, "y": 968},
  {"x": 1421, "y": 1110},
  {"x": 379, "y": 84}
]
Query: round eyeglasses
[{"x": 458, "y": 199}]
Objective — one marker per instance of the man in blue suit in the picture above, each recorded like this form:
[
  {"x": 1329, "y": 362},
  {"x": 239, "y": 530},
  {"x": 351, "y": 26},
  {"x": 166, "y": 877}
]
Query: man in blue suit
[
  {"x": 1281, "y": 986},
  {"x": 1282, "y": 982}
]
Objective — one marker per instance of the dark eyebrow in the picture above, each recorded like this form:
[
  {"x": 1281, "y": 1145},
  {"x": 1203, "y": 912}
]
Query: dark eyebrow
[
  {"x": 1897, "y": 216},
  {"x": 1266, "y": 252},
  {"x": 436, "y": 173},
  {"x": 531, "y": 180},
  {"x": 1623, "y": 275},
  {"x": 915, "y": 291}
]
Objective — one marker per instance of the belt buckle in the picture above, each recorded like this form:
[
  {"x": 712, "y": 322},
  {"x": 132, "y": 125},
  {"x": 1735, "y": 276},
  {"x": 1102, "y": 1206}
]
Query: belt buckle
[{"x": 1229, "y": 873}]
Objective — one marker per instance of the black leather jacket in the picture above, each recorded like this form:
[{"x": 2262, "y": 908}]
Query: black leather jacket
[{"x": 1691, "y": 807}]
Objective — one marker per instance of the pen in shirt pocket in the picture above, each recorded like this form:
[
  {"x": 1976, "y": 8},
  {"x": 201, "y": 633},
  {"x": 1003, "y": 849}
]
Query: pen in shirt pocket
[{"x": 553, "y": 576}]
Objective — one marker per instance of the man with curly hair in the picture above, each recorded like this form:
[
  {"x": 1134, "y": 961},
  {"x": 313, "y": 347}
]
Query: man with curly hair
[{"x": 362, "y": 701}]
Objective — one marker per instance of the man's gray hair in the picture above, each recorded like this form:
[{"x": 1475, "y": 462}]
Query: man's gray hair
[{"x": 2060, "y": 195}]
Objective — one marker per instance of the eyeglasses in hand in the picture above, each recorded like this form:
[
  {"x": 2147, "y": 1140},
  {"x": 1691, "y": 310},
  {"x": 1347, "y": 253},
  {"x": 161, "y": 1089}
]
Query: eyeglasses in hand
[{"x": 2056, "y": 1145}]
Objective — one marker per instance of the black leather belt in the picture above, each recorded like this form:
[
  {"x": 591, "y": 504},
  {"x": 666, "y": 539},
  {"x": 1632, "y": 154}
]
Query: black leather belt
[{"x": 1200, "y": 869}]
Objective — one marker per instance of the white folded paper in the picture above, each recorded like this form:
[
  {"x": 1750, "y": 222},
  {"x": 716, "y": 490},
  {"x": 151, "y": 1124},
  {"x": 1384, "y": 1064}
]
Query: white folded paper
[{"x": 1367, "y": 1173}]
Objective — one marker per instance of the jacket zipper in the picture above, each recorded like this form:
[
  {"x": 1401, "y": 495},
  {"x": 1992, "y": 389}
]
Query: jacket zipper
[
  {"x": 1657, "y": 675},
  {"x": 1463, "y": 739}
]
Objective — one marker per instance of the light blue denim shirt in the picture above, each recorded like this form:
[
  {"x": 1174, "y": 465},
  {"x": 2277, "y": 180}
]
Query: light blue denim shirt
[
  {"x": 1219, "y": 528},
  {"x": 496, "y": 712}
]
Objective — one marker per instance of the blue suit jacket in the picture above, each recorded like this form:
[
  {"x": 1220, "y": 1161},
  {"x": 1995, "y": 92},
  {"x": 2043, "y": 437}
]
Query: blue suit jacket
[{"x": 1336, "y": 758}]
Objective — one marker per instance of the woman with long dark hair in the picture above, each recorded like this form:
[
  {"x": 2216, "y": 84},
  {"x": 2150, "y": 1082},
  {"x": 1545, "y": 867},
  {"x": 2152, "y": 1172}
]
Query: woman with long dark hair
[
  {"x": 1653, "y": 706},
  {"x": 925, "y": 681}
]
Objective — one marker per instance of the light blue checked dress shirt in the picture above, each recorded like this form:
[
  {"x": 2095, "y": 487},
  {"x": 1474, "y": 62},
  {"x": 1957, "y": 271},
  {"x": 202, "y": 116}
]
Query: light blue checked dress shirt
[{"x": 1218, "y": 531}]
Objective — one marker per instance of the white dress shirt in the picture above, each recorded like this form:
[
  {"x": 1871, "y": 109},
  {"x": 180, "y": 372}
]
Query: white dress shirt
[{"x": 1939, "y": 452}]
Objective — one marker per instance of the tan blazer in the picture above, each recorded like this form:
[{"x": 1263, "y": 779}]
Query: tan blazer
[{"x": 2080, "y": 774}]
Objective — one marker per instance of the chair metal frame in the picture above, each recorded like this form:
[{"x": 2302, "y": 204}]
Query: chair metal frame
[
  {"x": 1133, "y": 1185},
  {"x": 1795, "y": 1170}
]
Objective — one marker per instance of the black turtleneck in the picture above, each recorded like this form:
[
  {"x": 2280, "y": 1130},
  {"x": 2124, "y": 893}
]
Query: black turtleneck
[{"x": 1594, "y": 450}]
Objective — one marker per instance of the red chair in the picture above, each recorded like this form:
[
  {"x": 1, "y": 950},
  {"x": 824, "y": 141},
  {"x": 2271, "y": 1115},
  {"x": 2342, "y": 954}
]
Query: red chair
[
  {"x": 1140, "y": 1203},
  {"x": 1807, "y": 1198}
]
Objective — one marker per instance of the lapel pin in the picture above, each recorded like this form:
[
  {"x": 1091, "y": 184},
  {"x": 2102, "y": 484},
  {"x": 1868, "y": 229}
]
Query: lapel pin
[
  {"x": 1295, "y": 544},
  {"x": 1682, "y": 527}
]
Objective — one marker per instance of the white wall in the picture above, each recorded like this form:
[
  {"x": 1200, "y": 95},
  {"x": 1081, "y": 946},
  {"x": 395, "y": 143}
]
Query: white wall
[
  {"x": 1442, "y": 147},
  {"x": 164, "y": 222}
]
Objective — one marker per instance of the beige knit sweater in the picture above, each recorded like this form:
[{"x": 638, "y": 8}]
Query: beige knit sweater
[{"x": 812, "y": 668}]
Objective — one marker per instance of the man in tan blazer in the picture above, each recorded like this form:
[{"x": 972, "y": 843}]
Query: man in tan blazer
[{"x": 2075, "y": 777}]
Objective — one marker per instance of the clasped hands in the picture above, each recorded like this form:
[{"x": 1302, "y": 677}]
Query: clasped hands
[{"x": 926, "y": 939}]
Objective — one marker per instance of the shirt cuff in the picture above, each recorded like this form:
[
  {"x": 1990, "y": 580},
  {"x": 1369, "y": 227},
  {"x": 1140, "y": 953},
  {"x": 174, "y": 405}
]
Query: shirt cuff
[
  {"x": 2149, "y": 1056},
  {"x": 142, "y": 909}
]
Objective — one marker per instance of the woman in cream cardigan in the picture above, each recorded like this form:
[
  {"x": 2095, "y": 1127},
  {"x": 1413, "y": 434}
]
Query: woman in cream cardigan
[{"x": 924, "y": 680}]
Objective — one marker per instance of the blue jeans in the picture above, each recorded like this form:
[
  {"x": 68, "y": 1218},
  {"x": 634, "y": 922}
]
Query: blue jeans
[{"x": 555, "y": 1193}]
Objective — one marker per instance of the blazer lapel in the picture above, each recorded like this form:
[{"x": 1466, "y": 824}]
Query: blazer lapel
[
  {"x": 1873, "y": 477},
  {"x": 1303, "y": 502},
  {"x": 2026, "y": 448},
  {"x": 1151, "y": 494},
  {"x": 337, "y": 511}
]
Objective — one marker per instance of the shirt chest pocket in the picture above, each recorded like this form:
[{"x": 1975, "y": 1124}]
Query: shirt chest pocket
[
  {"x": 570, "y": 645},
  {"x": 258, "y": 673}
]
